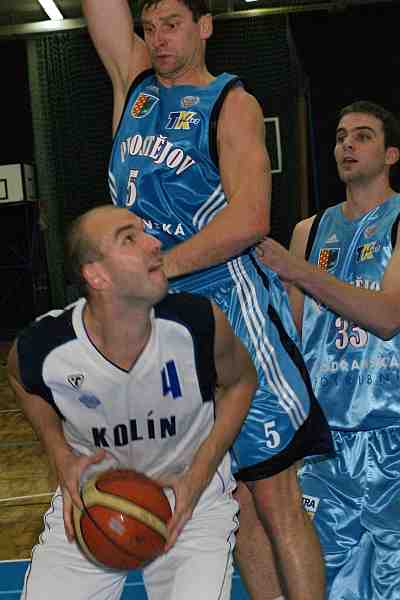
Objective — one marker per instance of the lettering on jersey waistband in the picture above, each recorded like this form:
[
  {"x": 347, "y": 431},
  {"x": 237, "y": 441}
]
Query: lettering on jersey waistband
[{"x": 310, "y": 505}]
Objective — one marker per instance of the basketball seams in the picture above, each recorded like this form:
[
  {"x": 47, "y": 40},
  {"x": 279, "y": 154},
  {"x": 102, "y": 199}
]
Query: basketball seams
[
  {"x": 94, "y": 496},
  {"x": 81, "y": 540},
  {"x": 138, "y": 534}
]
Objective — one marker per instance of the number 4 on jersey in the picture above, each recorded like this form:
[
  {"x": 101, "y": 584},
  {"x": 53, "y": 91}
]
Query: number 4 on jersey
[{"x": 170, "y": 380}]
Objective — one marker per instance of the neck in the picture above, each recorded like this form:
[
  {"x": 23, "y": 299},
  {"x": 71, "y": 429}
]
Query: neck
[
  {"x": 119, "y": 333},
  {"x": 198, "y": 76},
  {"x": 360, "y": 199}
]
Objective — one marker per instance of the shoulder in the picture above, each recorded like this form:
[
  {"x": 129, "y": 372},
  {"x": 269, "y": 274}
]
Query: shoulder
[
  {"x": 238, "y": 99},
  {"x": 301, "y": 232},
  {"x": 43, "y": 335},
  {"x": 302, "y": 229},
  {"x": 191, "y": 310}
]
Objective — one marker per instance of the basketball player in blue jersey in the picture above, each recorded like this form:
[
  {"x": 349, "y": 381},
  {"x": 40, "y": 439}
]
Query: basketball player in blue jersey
[
  {"x": 346, "y": 298},
  {"x": 189, "y": 157},
  {"x": 92, "y": 377}
]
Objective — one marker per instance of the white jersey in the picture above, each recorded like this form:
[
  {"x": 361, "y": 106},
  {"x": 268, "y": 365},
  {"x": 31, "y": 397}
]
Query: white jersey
[{"x": 151, "y": 418}]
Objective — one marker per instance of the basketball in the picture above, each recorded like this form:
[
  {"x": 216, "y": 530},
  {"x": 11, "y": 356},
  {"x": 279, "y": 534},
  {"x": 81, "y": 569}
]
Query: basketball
[{"x": 123, "y": 522}]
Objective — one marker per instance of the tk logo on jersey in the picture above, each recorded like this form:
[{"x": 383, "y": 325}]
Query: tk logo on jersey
[
  {"x": 367, "y": 251},
  {"x": 182, "y": 119}
]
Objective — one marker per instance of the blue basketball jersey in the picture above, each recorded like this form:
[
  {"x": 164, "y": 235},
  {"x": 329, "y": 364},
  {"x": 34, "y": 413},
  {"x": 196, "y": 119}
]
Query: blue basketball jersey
[
  {"x": 164, "y": 167},
  {"x": 164, "y": 164},
  {"x": 355, "y": 374}
]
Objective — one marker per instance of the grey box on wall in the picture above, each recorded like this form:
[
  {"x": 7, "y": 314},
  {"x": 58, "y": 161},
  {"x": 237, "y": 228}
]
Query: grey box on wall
[{"x": 17, "y": 183}]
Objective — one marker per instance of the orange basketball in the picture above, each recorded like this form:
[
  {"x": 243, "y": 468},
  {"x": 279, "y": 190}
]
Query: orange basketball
[{"x": 123, "y": 523}]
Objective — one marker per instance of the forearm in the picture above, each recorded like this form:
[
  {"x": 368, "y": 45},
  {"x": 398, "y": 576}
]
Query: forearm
[
  {"x": 45, "y": 423},
  {"x": 232, "y": 408},
  {"x": 227, "y": 235},
  {"x": 372, "y": 310}
]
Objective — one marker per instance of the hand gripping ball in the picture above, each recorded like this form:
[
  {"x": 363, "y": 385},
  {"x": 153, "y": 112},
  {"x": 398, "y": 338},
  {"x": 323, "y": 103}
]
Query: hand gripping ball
[{"x": 123, "y": 521}]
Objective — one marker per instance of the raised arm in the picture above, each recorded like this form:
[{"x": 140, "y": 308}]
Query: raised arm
[
  {"x": 238, "y": 380},
  {"x": 48, "y": 426},
  {"x": 246, "y": 180},
  {"x": 122, "y": 52},
  {"x": 375, "y": 311}
]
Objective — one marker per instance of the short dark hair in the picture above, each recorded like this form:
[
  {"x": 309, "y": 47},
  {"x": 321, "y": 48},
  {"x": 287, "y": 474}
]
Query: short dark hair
[
  {"x": 79, "y": 251},
  {"x": 198, "y": 8},
  {"x": 390, "y": 124}
]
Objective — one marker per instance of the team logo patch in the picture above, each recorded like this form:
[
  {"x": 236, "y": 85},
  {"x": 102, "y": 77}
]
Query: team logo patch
[
  {"x": 310, "y": 505},
  {"x": 367, "y": 251},
  {"x": 368, "y": 231},
  {"x": 76, "y": 380},
  {"x": 182, "y": 119},
  {"x": 143, "y": 106},
  {"x": 328, "y": 258},
  {"x": 189, "y": 101},
  {"x": 89, "y": 400}
]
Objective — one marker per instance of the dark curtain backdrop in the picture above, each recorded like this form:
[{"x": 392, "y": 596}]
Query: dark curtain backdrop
[
  {"x": 347, "y": 55},
  {"x": 72, "y": 105},
  {"x": 71, "y": 112}
]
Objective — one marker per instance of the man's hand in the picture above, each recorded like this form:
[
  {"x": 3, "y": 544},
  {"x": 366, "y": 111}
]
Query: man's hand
[
  {"x": 277, "y": 258},
  {"x": 70, "y": 468},
  {"x": 187, "y": 494}
]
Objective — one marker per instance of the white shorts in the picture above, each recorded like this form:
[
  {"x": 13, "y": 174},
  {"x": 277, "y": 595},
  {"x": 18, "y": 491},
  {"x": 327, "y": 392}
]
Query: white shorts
[{"x": 199, "y": 566}]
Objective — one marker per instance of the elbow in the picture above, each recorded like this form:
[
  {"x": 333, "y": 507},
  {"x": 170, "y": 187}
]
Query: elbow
[
  {"x": 387, "y": 331},
  {"x": 261, "y": 229}
]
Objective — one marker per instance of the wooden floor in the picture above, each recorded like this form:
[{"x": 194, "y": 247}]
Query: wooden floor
[{"x": 26, "y": 480}]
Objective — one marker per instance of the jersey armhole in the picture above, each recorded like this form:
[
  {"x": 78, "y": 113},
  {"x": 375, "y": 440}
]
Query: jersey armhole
[
  {"x": 395, "y": 228},
  {"x": 312, "y": 234},
  {"x": 212, "y": 132},
  {"x": 134, "y": 84}
]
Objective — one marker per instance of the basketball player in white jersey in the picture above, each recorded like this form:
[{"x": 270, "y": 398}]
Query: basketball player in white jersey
[{"x": 90, "y": 379}]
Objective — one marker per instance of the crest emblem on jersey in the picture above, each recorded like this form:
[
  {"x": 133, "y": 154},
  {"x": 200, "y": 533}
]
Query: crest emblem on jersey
[
  {"x": 143, "y": 105},
  {"x": 367, "y": 251},
  {"x": 189, "y": 101},
  {"x": 76, "y": 380},
  {"x": 328, "y": 258},
  {"x": 182, "y": 119},
  {"x": 89, "y": 400}
]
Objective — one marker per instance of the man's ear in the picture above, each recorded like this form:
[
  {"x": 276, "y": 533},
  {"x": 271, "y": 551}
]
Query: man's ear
[
  {"x": 206, "y": 26},
  {"x": 95, "y": 276},
  {"x": 392, "y": 155}
]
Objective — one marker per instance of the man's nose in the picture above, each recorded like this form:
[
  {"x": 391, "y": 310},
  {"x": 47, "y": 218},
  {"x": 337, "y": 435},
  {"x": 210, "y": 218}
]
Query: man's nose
[{"x": 158, "y": 38}]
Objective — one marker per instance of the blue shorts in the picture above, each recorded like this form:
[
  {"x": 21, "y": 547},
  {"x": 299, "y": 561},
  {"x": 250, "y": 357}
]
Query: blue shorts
[
  {"x": 354, "y": 499},
  {"x": 285, "y": 423}
]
